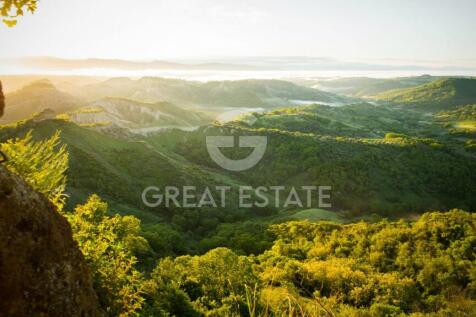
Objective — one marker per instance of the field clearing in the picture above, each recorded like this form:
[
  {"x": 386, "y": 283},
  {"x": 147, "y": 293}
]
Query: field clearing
[
  {"x": 317, "y": 215},
  {"x": 466, "y": 125}
]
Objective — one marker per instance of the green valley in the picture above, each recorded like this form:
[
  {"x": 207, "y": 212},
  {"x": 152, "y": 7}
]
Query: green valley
[{"x": 373, "y": 252}]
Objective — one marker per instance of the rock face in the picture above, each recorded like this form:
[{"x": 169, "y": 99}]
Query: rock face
[{"x": 42, "y": 271}]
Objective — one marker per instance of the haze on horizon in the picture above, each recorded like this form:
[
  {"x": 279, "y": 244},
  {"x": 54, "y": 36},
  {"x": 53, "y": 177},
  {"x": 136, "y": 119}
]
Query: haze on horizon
[{"x": 425, "y": 32}]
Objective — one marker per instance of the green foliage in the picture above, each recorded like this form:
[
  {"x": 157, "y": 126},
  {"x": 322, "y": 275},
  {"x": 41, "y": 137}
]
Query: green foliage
[
  {"x": 214, "y": 283},
  {"x": 377, "y": 159},
  {"x": 461, "y": 113},
  {"x": 356, "y": 120},
  {"x": 440, "y": 94},
  {"x": 243, "y": 238},
  {"x": 165, "y": 240},
  {"x": 425, "y": 267},
  {"x": 343, "y": 147},
  {"x": 42, "y": 164},
  {"x": 380, "y": 175},
  {"x": 387, "y": 267},
  {"x": 460, "y": 122},
  {"x": 316, "y": 215},
  {"x": 109, "y": 245}
]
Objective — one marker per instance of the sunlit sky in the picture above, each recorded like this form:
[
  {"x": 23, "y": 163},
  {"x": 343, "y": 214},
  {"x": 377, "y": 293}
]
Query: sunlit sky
[{"x": 423, "y": 30}]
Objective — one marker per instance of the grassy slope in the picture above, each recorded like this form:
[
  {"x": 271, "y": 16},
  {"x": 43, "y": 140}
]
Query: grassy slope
[
  {"x": 118, "y": 169},
  {"x": 315, "y": 214},
  {"x": 460, "y": 122},
  {"x": 437, "y": 95},
  {"x": 358, "y": 120}
]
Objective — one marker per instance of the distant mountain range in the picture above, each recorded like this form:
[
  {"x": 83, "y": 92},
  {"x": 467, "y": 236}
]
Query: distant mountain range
[
  {"x": 53, "y": 63},
  {"x": 284, "y": 63},
  {"x": 150, "y": 103},
  {"x": 214, "y": 94}
]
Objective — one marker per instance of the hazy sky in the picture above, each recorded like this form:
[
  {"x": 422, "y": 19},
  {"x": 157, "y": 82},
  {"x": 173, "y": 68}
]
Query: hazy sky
[{"x": 166, "y": 29}]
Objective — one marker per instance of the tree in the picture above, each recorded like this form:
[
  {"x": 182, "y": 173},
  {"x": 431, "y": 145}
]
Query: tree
[
  {"x": 10, "y": 10},
  {"x": 109, "y": 244},
  {"x": 214, "y": 283},
  {"x": 42, "y": 164}
]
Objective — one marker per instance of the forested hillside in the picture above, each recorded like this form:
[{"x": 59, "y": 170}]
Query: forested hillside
[
  {"x": 389, "y": 175},
  {"x": 242, "y": 93},
  {"x": 306, "y": 269},
  {"x": 381, "y": 161},
  {"x": 376, "y": 269},
  {"x": 437, "y": 95},
  {"x": 351, "y": 151},
  {"x": 326, "y": 269},
  {"x": 362, "y": 120},
  {"x": 225, "y": 158},
  {"x": 365, "y": 86},
  {"x": 36, "y": 97}
]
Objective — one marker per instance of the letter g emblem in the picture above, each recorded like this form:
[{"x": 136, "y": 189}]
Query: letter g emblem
[{"x": 258, "y": 143}]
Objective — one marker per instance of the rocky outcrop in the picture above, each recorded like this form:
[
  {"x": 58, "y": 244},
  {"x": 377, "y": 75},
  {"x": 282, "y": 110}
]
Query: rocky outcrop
[{"x": 42, "y": 271}]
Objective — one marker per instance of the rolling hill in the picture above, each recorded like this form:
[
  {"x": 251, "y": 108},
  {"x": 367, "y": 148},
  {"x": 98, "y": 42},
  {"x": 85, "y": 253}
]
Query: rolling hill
[
  {"x": 216, "y": 94},
  {"x": 356, "y": 120},
  {"x": 365, "y": 86},
  {"x": 119, "y": 169},
  {"x": 437, "y": 95},
  {"x": 460, "y": 121},
  {"x": 371, "y": 168},
  {"x": 389, "y": 175},
  {"x": 36, "y": 97},
  {"x": 137, "y": 117}
]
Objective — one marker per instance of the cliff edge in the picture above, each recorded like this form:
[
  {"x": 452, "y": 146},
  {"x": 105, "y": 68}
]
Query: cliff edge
[{"x": 42, "y": 271}]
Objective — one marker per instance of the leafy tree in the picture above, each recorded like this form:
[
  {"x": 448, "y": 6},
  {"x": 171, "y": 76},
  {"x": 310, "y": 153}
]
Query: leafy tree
[
  {"x": 215, "y": 282},
  {"x": 384, "y": 268},
  {"x": 109, "y": 244},
  {"x": 42, "y": 164},
  {"x": 12, "y": 9}
]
